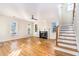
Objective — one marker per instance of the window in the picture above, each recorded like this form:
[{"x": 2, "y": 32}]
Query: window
[
  {"x": 13, "y": 28},
  {"x": 53, "y": 26},
  {"x": 69, "y": 6}
]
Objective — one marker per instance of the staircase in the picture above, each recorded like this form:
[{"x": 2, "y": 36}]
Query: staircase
[{"x": 66, "y": 42}]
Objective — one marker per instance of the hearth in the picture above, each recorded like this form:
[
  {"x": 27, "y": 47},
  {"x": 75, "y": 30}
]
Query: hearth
[{"x": 43, "y": 34}]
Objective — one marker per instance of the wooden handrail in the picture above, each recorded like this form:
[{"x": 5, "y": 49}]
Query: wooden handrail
[
  {"x": 73, "y": 12},
  {"x": 57, "y": 34}
]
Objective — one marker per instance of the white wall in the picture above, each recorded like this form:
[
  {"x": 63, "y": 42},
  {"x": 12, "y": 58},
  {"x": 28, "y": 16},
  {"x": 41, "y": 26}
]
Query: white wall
[
  {"x": 21, "y": 28},
  {"x": 48, "y": 13},
  {"x": 66, "y": 15},
  {"x": 45, "y": 25},
  {"x": 19, "y": 12}
]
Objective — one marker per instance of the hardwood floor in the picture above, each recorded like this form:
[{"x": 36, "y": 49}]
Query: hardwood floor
[{"x": 28, "y": 47}]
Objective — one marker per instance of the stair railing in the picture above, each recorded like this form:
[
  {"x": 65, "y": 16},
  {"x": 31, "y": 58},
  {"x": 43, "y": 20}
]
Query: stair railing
[{"x": 57, "y": 34}]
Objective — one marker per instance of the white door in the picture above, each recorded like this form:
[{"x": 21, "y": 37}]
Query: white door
[{"x": 29, "y": 29}]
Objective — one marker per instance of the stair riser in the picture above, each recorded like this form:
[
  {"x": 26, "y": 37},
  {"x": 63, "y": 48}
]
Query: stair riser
[{"x": 67, "y": 35}]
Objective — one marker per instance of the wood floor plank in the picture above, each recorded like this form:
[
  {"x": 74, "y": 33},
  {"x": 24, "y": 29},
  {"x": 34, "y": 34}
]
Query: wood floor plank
[
  {"x": 32, "y": 46},
  {"x": 29, "y": 47}
]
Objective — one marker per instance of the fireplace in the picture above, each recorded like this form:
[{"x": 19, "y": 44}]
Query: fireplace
[{"x": 43, "y": 34}]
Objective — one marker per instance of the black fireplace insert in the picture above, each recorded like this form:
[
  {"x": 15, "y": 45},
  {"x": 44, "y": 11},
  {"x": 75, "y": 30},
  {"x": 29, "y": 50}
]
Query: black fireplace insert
[{"x": 43, "y": 34}]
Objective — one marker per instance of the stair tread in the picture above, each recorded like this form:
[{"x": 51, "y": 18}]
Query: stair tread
[
  {"x": 65, "y": 35},
  {"x": 68, "y": 46},
  {"x": 66, "y": 51},
  {"x": 67, "y": 32},
  {"x": 67, "y": 39},
  {"x": 67, "y": 43},
  {"x": 67, "y": 27},
  {"x": 74, "y": 42},
  {"x": 60, "y": 53}
]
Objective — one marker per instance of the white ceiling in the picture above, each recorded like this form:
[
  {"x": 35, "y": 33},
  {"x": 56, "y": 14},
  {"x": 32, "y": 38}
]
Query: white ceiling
[
  {"x": 48, "y": 11},
  {"x": 25, "y": 10}
]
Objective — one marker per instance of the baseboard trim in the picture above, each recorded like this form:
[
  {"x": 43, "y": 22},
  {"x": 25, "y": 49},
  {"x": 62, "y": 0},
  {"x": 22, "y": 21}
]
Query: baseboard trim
[{"x": 13, "y": 40}]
